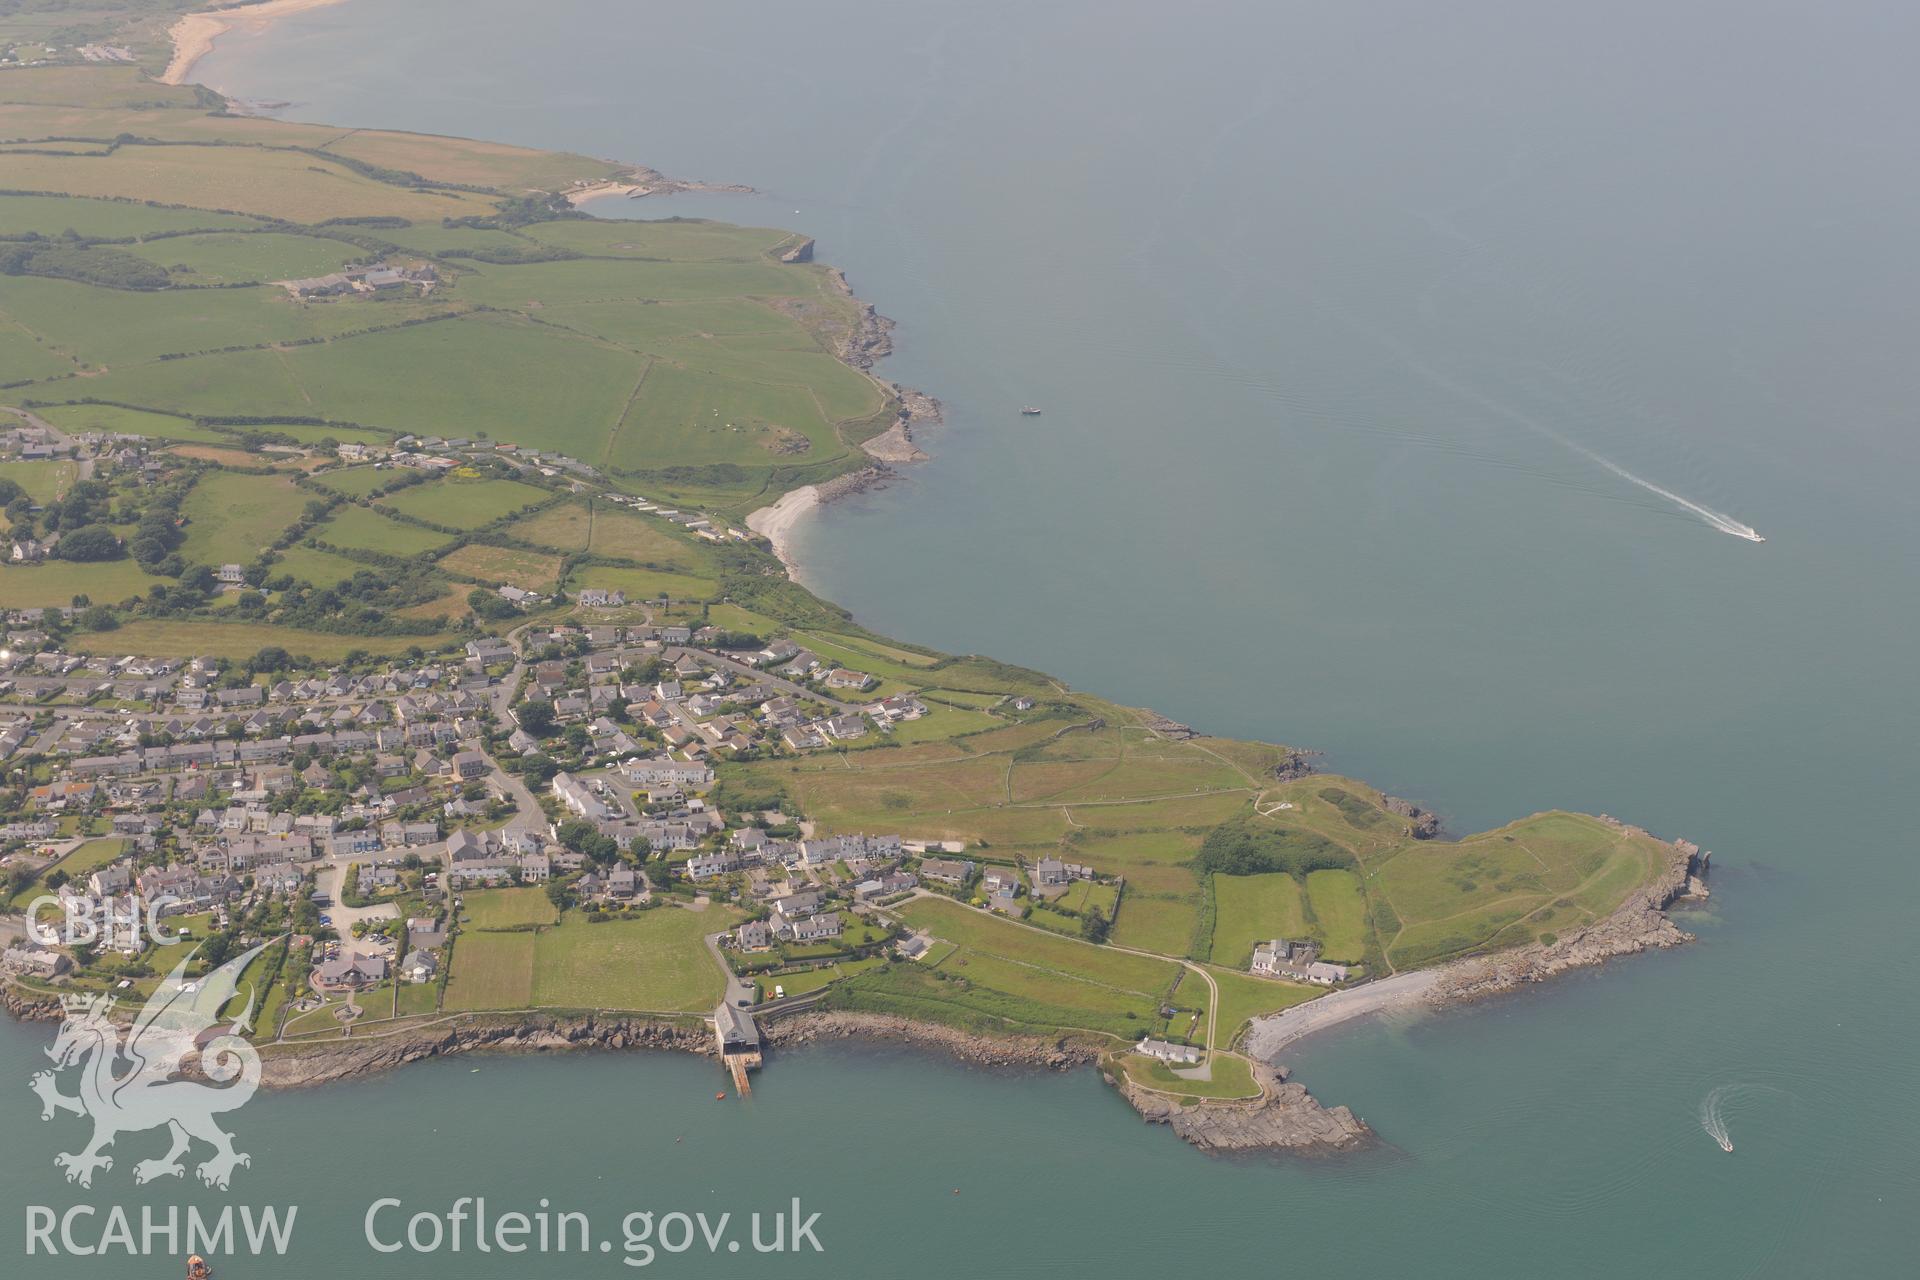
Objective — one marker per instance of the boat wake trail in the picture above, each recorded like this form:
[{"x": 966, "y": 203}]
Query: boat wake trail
[
  {"x": 1715, "y": 519},
  {"x": 1718, "y": 520},
  {"x": 1713, "y": 1119}
]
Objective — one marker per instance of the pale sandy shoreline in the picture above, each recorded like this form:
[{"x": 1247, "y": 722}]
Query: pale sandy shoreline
[
  {"x": 1402, "y": 993},
  {"x": 777, "y": 522},
  {"x": 194, "y": 34}
]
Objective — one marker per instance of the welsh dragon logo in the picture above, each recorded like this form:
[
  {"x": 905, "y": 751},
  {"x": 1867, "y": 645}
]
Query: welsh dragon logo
[{"x": 130, "y": 1074}]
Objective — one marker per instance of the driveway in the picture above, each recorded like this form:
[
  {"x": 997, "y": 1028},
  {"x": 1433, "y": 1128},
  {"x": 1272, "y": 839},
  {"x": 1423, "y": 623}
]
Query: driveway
[{"x": 332, "y": 879}]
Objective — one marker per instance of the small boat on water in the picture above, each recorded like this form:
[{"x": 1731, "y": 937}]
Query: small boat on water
[
  {"x": 197, "y": 1268},
  {"x": 1726, "y": 1145},
  {"x": 1029, "y": 412}
]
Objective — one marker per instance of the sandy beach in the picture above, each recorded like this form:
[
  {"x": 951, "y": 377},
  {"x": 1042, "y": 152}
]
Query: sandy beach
[
  {"x": 777, "y": 522},
  {"x": 194, "y": 35}
]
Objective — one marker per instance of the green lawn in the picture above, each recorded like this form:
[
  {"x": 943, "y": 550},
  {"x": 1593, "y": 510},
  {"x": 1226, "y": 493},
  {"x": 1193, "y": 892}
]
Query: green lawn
[
  {"x": 81, "y": 863},
  {"x": 43, "y": 481},
  {"x": 508, "y": 908},
  {"x": 491, "y": 971},
  {"x": 657, "y": 962},
  {"x": 1229, "y": 1077}
]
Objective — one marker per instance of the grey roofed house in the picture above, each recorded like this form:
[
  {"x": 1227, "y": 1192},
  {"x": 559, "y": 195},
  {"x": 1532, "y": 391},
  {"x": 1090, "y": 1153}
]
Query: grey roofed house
[
  {"x": 799, "y": 904},
  {"x": 754, "y": 935},
  {"x": 471, "y": 764},
  {"x": 464, "y": 846},
  {"x": 351, "y": 970},
  {"x": 946, "y": 870},
  {"x": 419, "y": 966}
]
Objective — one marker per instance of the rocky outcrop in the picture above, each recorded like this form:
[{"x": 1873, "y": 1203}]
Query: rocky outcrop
[
  {"x": 802, "y": 252},
  {"x": 1054, "y": 1053},
  {"x": 853, "y": 482},
  {"x": 1421, "y": 825},
  {"x": 1296, "y": 764},
  {"x": 1284, "y": 1118},
  {"x": 1638, "y": 924},
  {"x": 29, "y": 1006},
  {"x": 292, "y": 1066},
  {"x": 871, "y": 337}
]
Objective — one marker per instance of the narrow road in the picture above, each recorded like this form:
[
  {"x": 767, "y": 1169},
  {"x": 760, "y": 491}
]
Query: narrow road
[
  {"x": 740, "y": 993},
  {"x": 756, "y": 673}
]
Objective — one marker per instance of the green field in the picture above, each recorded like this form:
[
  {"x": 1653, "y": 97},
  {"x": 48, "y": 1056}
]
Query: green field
[
  {"x": 230, "y": 257},
  {"x": 1253, "y": 909},
  {"x": 1008, "y": 971},
  {"x": 43, "y": 481},
  {"x": 362, "y": 529},
  {"x": 528, "y": 570},
  {"x": 86, "y": 859},
  {"x": 176, "y": 637},
  {"x": 321, "y": 568},
  {"x": 656, "y": 962},
  {"x": 491, "y": 971},
  {"x": 109, "y": 417},
  {"x": 232, "y": 516},
  {"x": 357, "y": 482},
  {"x": 508, "y": 908},
  {"x": 643, "y": 584},
  {"x": 464, "y": 504},
  {"x": 1339, "y": 914},
  {"x": 1243, "y": 996},
  {"x": 44, "y": 585}
]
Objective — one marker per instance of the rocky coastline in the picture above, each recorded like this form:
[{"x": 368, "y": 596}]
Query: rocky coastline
[
  {"x": 297, "y": 1066},
  {"x": 1638, "y": 924},
  {"x": 1284, "y": 1118},
  {"x": 1052, "y": 1053}
]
